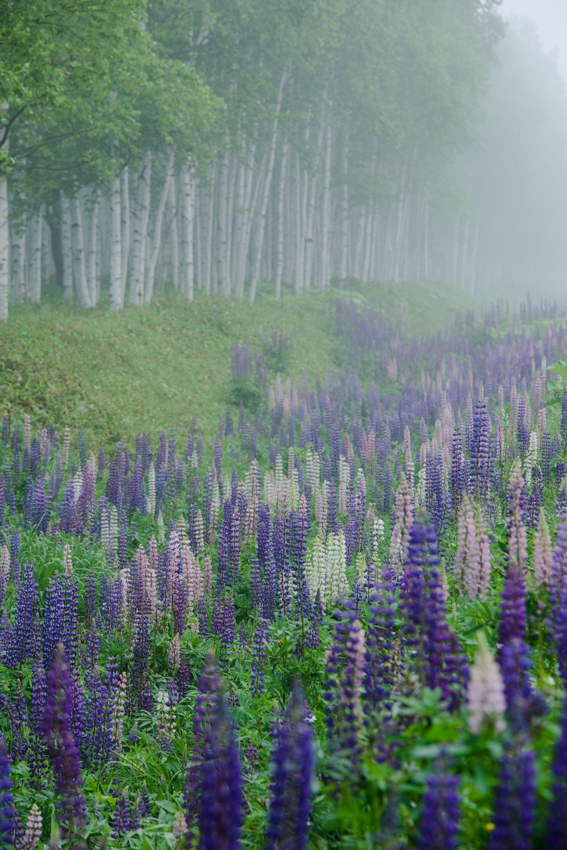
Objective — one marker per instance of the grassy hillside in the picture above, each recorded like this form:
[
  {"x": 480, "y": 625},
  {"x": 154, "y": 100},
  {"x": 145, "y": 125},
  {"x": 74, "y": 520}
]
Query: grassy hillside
[{"x": 114, "y": 375}]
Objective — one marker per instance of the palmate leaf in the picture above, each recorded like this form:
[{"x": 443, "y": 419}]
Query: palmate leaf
[{"x": 560, "y": 368}]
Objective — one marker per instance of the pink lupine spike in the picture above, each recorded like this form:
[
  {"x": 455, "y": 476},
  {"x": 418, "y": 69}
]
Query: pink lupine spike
[
  {"x": 517, "y": 543},
  {"x": 402, "y": 526},
  {"x": 485, "y": 697},
  {"x": 467, "y": 558},
  {"x": 207, "y": 576},
  {"x": 543, "y": 551},
  {"x": 153, "y": 555}
]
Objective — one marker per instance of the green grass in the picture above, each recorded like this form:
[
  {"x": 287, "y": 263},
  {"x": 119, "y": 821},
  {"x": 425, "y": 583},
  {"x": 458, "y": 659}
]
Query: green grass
[{"x": 152, "y": 368}]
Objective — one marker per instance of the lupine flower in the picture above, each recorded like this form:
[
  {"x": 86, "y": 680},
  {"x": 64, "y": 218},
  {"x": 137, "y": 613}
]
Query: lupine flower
[
  {"x": 403, "y": 524},
  {"x": 556, "y": 830},
  {"x": 517, "y": 544},
  {"x": 292, "y": 764},
  {"x": 440, "y": 816},
  {"x": 63, "y": 753},
  {"x": 7, "y": 811},
  {"x": 34, "y": 828},
  {"x": 165, "y": 717},
  {"x": 221, "y": 799},
  {"x": 259, "y": 657},
  {"x": 436, "y": 652},
  {"x": 543, "y": 551},
  {"x": 514, "y": 801},
  {"x": 485, "y": 693},
  {"x": 345, "y": 662},
  {"x": 118, "y": 712}
]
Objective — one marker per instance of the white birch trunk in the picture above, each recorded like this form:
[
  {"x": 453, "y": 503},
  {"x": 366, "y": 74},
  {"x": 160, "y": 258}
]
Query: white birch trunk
[
  {"x": 124, "y": 227},
  {"x": 312, "y": 183},
  {"x": 116, "y": 300},
  {"x": 187, "y": 222},
  {"x": 222, "y": 276},
  {"x": 4, "y": 248},
  {"x": 210, "y": 220},
  {"x": 35, "y": 258},
  {"x": 19, "y": 265},
  {"x": 174, "y": 236},
  {"x": 326, "y": 215},
  {"x": 66, "y": 248},
  {"x": 280, "y": 221},
  {"x": 140, "y": 231},
  {"x": 91, "y": 264},
  {"x": 155, "y": 243},
  {"x": 264, "y": 207},
  {"x": 79, "y": 270},
  {"x": 344, "y": 210},
  {"x": 299, "y": 243}
]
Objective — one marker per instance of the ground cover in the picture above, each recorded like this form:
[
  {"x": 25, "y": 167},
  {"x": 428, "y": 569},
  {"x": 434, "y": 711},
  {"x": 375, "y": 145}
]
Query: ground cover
[
  {"x": 114, "y": 375},
  {"x": 343, "y": 625}
]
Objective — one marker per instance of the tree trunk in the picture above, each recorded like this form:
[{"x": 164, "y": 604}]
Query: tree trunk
[
  {"x": 344, "y": 209},
  {"x": 4, "y": 248},
  {"x": 79, "y": 272},
  {"x": 222, "y": 276},
  {"x": 280, "y": 221},
  {"x": 19, "y": 265},
  {"x": 66, "y": 248},
  {"x": 124, "y": 228},
  {"x": 92, "y": 250},
  {"x": 174, "y": 236},
  {"x": 116, "y": 300},
  {"x": 140, "y": 231},
  {"x": 187, "y": 224},
  {"x": 210, "y": 219},
  {"x": 264, "y": 207},
  {"x": 151, "y": 260},
  {"x": 312, "y": 197},
  {"x": 35, "y": 258}
]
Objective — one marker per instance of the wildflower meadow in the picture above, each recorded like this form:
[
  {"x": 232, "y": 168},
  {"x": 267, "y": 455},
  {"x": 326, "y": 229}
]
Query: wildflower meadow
[{"x": 341, "y": 624}]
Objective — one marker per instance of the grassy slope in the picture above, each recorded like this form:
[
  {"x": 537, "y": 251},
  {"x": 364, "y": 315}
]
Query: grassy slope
[{"x": 148, "y": 369}]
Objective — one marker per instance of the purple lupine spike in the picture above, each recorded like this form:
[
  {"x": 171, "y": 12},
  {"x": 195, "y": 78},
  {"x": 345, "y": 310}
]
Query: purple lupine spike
[
  {"x": 37, "y": 709},
  {"x": 23, "y": 634},
  {"x": 556, "y": 828},
  {"x": 440, "y": 816},
  {"x": 292, "y": 764},
  {"x": 220, "y": 816},
  {"x": 208, "y": 694},
  {"x": 259, "y": 658},
  {"x": 345, "y": 669},
  {"x": 480, "y": 450},
  {"x": 564, "y": 417},
  {"x": 124, "y": 818},
  {"x": 62, "y": 749},
  {"x": 514, "y": 802},
  {"x": 7, "y": 810},
  {"x": 436, "y": 651}
]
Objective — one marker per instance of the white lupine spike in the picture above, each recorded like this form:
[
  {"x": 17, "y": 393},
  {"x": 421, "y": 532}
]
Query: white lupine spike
[
  {"x": 4, "y": 564},
  {"x": 92, "y": 465},
  {"x": 66, "y": 448},
  {"x": 420, "y": 489},
  {"x": 200, "y": 531},
  {"x": 67, "y": 560},
  {"x": 113, "y": 528},
  {"x": 152, "y": 490},
  {"x": 161, "y": 528},
  {"x": 344, "y": 471},
  {"x": 290, "y": 462},
  {"x": 27, "y": 432},
  {"x": 531, "y": 458}
]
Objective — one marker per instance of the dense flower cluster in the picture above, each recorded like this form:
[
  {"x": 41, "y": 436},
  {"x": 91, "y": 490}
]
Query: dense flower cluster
[{"x": 372, "y": 571}]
